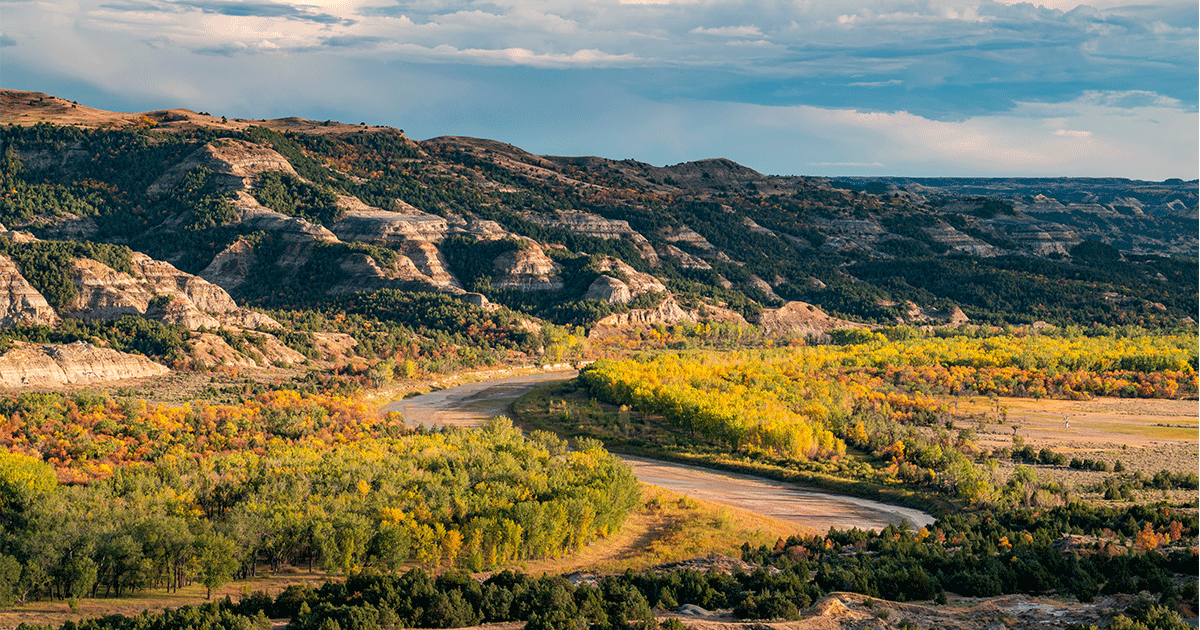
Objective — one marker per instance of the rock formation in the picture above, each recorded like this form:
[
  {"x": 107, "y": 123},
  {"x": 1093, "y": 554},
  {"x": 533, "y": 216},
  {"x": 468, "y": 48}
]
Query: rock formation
[
  {"x": 800, "y": 319},
  {"x": 609, "y": 289},
  {"x": 682, "y": 258},
  {"x": 615, "y": 290},
  {"x": 104, "y": 293},
  {"x": 230, "y": 268},
  {"x": 20, "y": 303},
  {"x": 79, "y": 363},
  {"x": 917, "y": 315},
  {"x": 381, "y": 227},
  {"x": 596, "y": 226},
  {"x": 526, "y": 269},
  {"x": 162, "y": 278},
  {"x": 430, "y": 262},
  {"x": 233, "y": 163},
  {"x": 668, "y": 312}
]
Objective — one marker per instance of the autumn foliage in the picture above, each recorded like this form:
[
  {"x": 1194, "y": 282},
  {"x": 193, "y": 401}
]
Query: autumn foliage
[{"x": 86, "y": 437}]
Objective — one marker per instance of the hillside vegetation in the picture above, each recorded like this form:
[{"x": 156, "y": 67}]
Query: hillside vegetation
[
  {"x": 291, "y": 275},
  {"x": 289, "y": 213}
]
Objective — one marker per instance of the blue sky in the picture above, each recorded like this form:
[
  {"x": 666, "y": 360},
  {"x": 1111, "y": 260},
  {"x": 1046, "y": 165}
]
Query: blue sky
[{"x": 808, "y": 87}]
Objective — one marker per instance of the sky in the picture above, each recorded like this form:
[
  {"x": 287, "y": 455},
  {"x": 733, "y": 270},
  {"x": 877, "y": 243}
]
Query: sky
[{"x": 806, "y": 87}]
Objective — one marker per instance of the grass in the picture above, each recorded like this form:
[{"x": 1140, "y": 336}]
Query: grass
[
  {"x": 55, "y": 613},
  {"x": 670, "y": 527}
]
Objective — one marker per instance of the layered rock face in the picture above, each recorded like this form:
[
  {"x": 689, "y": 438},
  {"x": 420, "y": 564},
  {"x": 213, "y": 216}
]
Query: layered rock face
[
  {"x": 763, "y": 286},
  {"x": 669, "y": 312},
  {"x": 164, "y": 279},
  {"x": 104, "y": 293},
  {"x": 694, "y": 239},
  {"x": 800, "y": 318},
  {"x": 230, "y": 268},
  {"x": 960, "y": 242},
  {"x": 596, "y": 226},
  {"x": 918, "y": 315},
  {"x": 429, "y": 261},
  {"x": 639, "y": 282},
  {"x": 232, "y": 163},
  {"x": 526, "y": 269},
  {"x": 380, "y": 227},
  {"x": 20, "y": 303},
  {"x": 617, "y": 291},
  {"x": 609, "y": 289},
  {"x": 79, "y": 363},
  {"x": 682, "y": 258}
]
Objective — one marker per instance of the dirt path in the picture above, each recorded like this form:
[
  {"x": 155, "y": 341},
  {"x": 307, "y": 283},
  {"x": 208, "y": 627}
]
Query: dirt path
[
  {"x": 470, "y": 405},
  {"x": 473, "y": 404},
  {"x": 774, "y": 499}
]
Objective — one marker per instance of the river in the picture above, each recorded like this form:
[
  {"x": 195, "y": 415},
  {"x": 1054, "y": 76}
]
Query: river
[{"x": 471, "y": 405}]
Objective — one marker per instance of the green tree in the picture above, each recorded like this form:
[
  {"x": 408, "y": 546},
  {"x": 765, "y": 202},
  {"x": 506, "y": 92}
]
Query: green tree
[{"x": 216, "y": 560}]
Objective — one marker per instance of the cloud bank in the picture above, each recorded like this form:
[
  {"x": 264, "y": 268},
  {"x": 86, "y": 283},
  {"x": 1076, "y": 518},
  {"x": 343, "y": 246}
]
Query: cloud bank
[{"x": 933, "y": 87}]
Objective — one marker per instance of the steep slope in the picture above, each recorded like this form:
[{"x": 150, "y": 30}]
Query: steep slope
[
  {"x": 291, "y": 212},
  {"x": 50, "y": 366}
]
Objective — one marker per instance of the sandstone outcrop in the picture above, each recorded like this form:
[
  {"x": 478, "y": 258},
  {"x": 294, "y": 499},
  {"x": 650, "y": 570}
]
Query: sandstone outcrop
[
  {"x": 960, "y": 242},
  {"x": 685, "y": 234},
  {"x": 182, "y": 312},
  {"x": 233, "y": 163},
  {"x": 212, "y": 350},
  {"x": 800, "y": 319},
  {"x": 20, "y": 303},
  {"x": 230, "y": 268},
  {"x": 164, "y": 279},
  {"x": 430, "y": 262},
  {"x": 762, "y": 285},
  {"x": 244, "y": 318},
  {"x": 756, "y": 228},
  {"x": 682, "y": 258},
  {"x": 104, "y": 293},
  {"x": 693, "y": 239},
  {"x": 191, "y": 301},
  {"x": 79, "y": 363},
  {"x": 609, "y": 289},
  {"x": 292, "y": 229},
  {"x": 637, "y": 281},
  {"x": 526, "y": 269},
  {"x": 715, "y": 314},
  {"x": 596, "y": 226},
  {"x": 381, "y": 227},
  {"x": 668, "y": 312}
]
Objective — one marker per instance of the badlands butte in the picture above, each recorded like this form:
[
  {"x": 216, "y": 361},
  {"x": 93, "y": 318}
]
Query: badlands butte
[
  {"x": 224, "y": 312},
  {"x": 205, "y": 229}
]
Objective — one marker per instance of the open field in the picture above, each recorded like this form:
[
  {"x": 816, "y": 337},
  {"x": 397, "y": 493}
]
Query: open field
[
  {"x": 1100, "y": 423},
  {"x": 56, "y": 613}
]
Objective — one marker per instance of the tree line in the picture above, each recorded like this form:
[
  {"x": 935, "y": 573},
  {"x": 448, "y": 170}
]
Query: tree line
[
  {"x": 980, "y": 555},
  {"x": 339, "y": 501}
]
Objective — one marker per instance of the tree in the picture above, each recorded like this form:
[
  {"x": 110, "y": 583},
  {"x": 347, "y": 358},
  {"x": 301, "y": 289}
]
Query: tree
[
  {"x": 10, "y": 577},
  {"x": 22, "y": 480},
  {"x": 216, "y": 560}
]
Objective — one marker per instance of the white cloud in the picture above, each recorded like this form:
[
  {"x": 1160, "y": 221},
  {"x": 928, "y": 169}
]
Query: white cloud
[
  {"x": 1152, "y": 141},
  {"x": 848, "y": 164},
  {"x": 1069, "y": 5},
  {"x": 729, "y": 31},
  {"x": 987, "y": 87}
]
